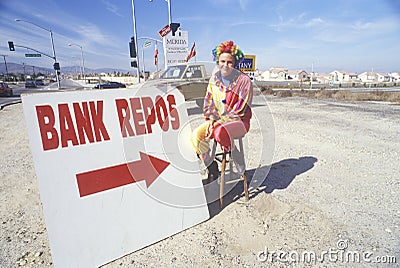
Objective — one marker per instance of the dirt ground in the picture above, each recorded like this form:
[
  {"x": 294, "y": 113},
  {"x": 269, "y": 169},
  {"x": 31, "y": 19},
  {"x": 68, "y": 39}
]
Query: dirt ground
[{"x": 325, "y": 185}]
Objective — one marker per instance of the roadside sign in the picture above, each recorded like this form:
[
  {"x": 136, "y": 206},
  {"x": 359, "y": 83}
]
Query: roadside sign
[
  {"x": 32, "y": 55},
  {"x": 164, "y": 31},
  {"x": 176, "y": 47},
  {"x": 248, "y": 64},
  {"x": 114, "y": 169}
]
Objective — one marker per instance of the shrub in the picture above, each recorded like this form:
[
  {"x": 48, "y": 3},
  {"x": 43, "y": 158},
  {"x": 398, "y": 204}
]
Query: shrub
[{"x": 284, "y": 93}]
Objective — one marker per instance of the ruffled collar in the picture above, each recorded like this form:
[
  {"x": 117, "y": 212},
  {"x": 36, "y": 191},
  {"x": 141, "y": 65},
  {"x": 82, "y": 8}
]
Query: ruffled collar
[{"x": 233, "y": 78}]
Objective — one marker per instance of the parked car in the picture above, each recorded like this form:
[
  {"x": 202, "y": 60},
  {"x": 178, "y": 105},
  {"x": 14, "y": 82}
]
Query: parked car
[
  {"x": 191, "y": 79},
  {"x": 110, "y": 85},
  {"x": 5, "y": 90},
  {"x": 30, "y": 83},
  {"x": 39, "y": 82}
]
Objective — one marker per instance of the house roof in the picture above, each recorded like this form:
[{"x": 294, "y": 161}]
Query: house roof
[
  {"x": 296, "y": 71},
  {"x": 343, "y": 72},
  {"x": 278, "y": 69}
]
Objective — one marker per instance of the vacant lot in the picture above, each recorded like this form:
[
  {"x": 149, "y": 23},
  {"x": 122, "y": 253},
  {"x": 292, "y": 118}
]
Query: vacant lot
[{"x": 330, "y": 196}]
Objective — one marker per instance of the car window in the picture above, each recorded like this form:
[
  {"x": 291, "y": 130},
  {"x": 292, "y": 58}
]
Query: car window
[{"x": 173, "y": 72}]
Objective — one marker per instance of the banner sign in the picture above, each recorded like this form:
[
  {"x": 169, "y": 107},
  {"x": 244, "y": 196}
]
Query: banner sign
[
  {"x": 115, "y": 170},
  {"x": 164, "y": 31},
  {"x": 176, "y": 47}
]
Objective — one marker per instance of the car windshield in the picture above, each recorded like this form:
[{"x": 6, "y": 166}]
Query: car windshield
[{"x": 173, "y": 72}]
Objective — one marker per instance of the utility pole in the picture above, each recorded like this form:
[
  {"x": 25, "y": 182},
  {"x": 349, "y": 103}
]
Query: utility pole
[
  {"x": 135, "y": 40},
  {"x": 56, "y": 64},
  {"x": 5, "y": 62},
  {"x": 23, "y": 64}
]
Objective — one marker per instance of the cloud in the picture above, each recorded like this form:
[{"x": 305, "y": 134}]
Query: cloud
[
  {"x": 112, "y": 8},
  {"x": 91, "y": 33},
  {"x": 244, "y": 23},
  {"x": 297, "y": 22},
  {"x": 358, "y": 31},
  {"x": 288, "y": 44},
  {"x": 378, "y": 26},
  {"x": 314, "y": 22},
  {"x": 243, "y": 4}
]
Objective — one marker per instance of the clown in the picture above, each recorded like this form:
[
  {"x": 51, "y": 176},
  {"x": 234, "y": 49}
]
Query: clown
[{"x": 227, "y": 108}]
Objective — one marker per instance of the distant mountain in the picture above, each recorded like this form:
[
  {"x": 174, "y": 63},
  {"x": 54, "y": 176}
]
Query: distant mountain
[
  {"x": 19, "y": 68},
  {"x": 29, "y": 69}
]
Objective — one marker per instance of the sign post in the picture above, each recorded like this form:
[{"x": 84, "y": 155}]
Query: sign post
[{"x": 111, "y": 166}]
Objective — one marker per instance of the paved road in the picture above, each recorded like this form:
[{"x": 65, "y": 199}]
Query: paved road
[{"x": 66, "y": 84}]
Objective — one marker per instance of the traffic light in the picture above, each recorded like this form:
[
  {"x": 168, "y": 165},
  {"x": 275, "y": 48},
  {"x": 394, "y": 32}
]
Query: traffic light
[
  {"x": 174, "y": 27},
  {"x": 132, "y": 48},
  {"x": 56, "y": 66},
  {"x": 134, "y": 64},
  {"x": 11, "y": 45}
]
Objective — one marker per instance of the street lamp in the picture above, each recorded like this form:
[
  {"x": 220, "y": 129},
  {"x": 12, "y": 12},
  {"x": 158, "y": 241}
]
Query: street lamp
[
  {"x": 83, "y": 61},
  {"x": 153, "y": 39},
  {"x": 169, "y": 11},
  {"x": 169, "y": 23},
  {"x": 52, "y": 44}
]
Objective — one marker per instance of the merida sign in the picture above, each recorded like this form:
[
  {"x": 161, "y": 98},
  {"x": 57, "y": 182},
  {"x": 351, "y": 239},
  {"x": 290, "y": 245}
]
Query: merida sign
[
  {"x": 176, "y": 42},
  {"x": 176, "y": 47}
]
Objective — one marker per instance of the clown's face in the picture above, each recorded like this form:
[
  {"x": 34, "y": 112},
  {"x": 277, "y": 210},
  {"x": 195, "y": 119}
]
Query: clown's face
[{"x": 226, "y": 63}]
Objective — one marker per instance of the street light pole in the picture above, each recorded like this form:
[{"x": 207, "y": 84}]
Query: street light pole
[
  {"x": 5, "y": 62},
  {"x": 150, "y": 38},
  {"x": 169, "y": 11},
  {"x": 144, "y": 68},
  {"x": 23, "y": 64},
  {"x": 169, "y": 23},
  {"x": 135, "y": 39},
  {"x": 52, "y": 44},
  {"x": 83, "y": 61}
]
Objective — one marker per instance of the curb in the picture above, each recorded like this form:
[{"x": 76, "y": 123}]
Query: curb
[{"x": 10, "y": 103}]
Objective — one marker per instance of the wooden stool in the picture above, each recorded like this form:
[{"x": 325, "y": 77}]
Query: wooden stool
[{"x": 221, "y": 157}]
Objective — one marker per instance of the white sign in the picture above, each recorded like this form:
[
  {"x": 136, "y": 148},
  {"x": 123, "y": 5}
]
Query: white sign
[
  {"x": 176, "y": 47},
  {"x": 115, "y": 170}
]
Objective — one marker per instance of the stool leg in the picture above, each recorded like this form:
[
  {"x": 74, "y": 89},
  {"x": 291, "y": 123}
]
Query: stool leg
[
  {"x": 245, "y": 187},
  {"x": 242, "y": 151},
  {"x": 212, "y": 156},
  {"x": 230, "y": 165},
  {"x": 222, "y": 182}
]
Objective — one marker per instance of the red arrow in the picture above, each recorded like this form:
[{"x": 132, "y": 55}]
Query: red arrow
[{"x": 148, "y": 168}]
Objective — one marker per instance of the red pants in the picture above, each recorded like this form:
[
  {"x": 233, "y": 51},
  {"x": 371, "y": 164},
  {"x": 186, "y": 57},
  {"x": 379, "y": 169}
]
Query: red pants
[{"x": 223, "y": 133}]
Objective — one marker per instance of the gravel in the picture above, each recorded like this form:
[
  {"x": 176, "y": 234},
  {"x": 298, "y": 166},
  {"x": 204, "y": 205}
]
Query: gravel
[{"x": 332, "y": 189}]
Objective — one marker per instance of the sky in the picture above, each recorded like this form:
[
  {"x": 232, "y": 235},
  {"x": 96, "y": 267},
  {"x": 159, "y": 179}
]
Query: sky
[{"x": 311, "y": 35}]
